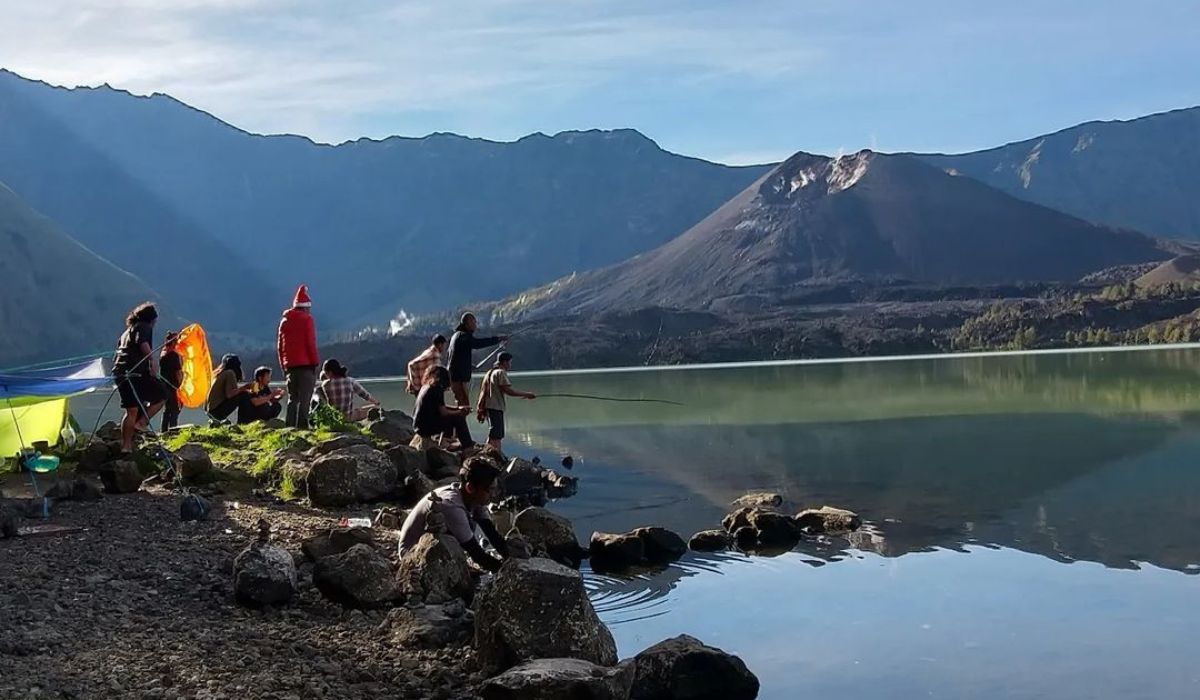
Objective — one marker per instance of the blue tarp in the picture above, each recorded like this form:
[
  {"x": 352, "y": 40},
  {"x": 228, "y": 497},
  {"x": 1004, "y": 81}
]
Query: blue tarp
[{"x": 53, "y": 382}]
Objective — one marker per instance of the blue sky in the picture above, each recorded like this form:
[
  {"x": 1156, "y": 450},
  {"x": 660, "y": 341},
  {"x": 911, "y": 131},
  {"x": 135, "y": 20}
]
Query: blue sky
[{"x": 744, "y": 81}]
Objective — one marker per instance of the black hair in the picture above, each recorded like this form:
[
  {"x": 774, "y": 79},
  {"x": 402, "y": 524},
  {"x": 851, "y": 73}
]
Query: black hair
[
  {"x": 462, "y": 322},
  {"x": 437, "y": 376},
  {"x": 143, "y": 313},
  {"x": 439, "y": 339},
  {"x": 260, "y": 372},
  {"x": 478, "y": 471},
  {"x": 233, "y": 363},
  {"x": 334, "y": 368},
  {"x": 503, "y": 357}
]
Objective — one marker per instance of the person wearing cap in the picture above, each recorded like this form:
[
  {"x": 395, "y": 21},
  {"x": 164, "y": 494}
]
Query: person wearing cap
[
  {"x": 296, "y": 345},
  {"x": 462, "y": 362},
  {"x": 419, "y": 365},
  {"x": 338, "y": 389},
  {"x": 491, "y": 405},
  {"x": 170, "y": 376}
]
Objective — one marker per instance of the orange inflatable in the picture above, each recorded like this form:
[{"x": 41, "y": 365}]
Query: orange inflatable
[{"x": 192, "y": 346}]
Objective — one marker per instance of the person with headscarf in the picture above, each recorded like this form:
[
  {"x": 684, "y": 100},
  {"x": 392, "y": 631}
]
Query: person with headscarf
[{"x": 227, "y": 393}]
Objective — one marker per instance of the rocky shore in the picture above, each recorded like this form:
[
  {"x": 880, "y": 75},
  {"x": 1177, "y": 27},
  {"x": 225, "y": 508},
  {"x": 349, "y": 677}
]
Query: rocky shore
[{"x": 200, "y": 583}]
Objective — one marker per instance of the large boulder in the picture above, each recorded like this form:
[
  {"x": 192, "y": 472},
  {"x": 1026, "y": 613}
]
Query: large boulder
[
  {"x": 710, "y": 541},
  {"x": 335, "y": 541},
  {"x": 264, "y": 574},
  {"x": 408, "y": 460},
  {"x": 828, "y": 519},
  {"x": 614, "y": 552},
  {"x": 354, "y": 474},
  {"x": 121, "y": 476},
  {"x": 390, "y": 431},
  {"x": 360, "y": 578},
  {"x": 429, "y": 626},
  {"x": 436, "y": 570},
  {"x": 661, "y": 545},
  {"x": 193, "y": 460},
  {"x": 550, "y": 535},
  {"x": 537, "y": 608},
  {"x": 684, "y": 668},
  {"x": 555, "y": 679}
]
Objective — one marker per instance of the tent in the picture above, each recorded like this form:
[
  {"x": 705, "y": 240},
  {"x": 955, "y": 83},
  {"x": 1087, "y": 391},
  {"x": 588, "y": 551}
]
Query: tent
[{"x": 33, "y": 403}]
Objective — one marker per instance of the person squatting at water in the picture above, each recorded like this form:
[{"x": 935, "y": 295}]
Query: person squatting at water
[
  {"x": 296, "y": 345},
  {"x": 461, "y": 363},
  {"x": 464, "y": 506},
  {"x": 170, "y": 376},
  {"x": 419, "y": 365},
  {"x": 338, "y": 389},
  {"x": 136, "y": 373},
  {"x": 432, "y": 417},
  {"x": 491, "y": 405}
]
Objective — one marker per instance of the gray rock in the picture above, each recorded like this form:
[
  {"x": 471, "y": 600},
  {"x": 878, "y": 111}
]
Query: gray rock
[
  {"x": 519, "y": 477},
  {"x": 661, "y": 545},
  {"x": 746, "y": 537},
  {"x": 436, "y": 570},
  {"x": 109, "y": 432},
  {"x": 409, "y": 461},
  {"x": 360, "y": 578},
  {"x": 536, "y": 608},
  {"x": 684, "y": 668},
  {"x": 442, "y": 463},
  {"x": 614, "y": 552},
  {"x": 758, "y": 499},
  {"x": 550, "y": 535},
  {"x": 828, "y": 519},
  {"x": 710, "y": 541},
  {"x": 775, "y": 529},
  {"x": 556, "y": 679},
  {"x": 121, "y": 477},
  {"x": 95, "y": 454},
  {"x": 429, "y": 626},
  {"x": 391, "y": 431},
  {"x": 335, "y": 541},
  {"x": 559, "y": 485},
  {"x": 416, "y": 486},
  {"x": 340, "y": 442},
  {"x": 396, "y": 416},
  {"x": 354, "y": 474},
  {"x": 263, "y": 574},
  {"x": 518, "y": 547},
  {"x": 193, "y": 460}
]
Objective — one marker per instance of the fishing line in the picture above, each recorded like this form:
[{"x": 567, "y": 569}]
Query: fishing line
[{"x": 607, "y": 398}]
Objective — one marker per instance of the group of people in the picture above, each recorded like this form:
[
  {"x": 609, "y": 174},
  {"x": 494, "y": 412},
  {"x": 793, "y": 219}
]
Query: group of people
[{"x": 148, "y": 383}]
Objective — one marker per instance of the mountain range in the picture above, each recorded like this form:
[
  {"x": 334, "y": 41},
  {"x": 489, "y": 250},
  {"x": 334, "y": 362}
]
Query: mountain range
[
  {"x": 864, "y": 216},
  {"x": 221, "y": 224}
]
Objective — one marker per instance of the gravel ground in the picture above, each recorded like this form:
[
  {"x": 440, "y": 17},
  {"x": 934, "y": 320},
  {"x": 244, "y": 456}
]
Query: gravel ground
[{"x": 139, "y": 605}]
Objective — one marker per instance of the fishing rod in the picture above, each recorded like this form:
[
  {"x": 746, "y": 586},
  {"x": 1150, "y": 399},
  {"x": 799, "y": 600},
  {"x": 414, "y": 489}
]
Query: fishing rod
[
  {"x": 607, "y": 398},
  {"x": 492, "y": 354}
]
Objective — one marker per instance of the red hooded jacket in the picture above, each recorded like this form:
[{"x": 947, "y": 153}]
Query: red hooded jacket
[{"x": 297, "y": 340}]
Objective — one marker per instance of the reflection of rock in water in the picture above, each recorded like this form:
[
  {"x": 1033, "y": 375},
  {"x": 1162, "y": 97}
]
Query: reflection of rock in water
[{"x": 1110, "y": 493}]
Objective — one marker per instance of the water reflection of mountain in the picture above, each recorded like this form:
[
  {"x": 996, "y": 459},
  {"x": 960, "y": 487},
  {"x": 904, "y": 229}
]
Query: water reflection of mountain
[{"x": 1067, "y": 486}]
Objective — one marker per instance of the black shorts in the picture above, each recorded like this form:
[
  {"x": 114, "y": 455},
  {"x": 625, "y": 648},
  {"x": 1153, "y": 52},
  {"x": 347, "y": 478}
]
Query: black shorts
[
  {"x": 496, "y": 418},
  {"x": 134, "y": 388}
]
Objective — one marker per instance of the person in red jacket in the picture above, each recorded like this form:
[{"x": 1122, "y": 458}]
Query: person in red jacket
[{"x": 298, "y": 358}]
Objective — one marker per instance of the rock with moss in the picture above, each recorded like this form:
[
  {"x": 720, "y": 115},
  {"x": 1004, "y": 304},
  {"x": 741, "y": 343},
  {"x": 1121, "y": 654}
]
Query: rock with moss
[{"x": 193, "y": 460}]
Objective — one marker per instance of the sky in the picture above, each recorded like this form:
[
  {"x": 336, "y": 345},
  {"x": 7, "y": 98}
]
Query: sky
[{"x": 739, "y": 81}]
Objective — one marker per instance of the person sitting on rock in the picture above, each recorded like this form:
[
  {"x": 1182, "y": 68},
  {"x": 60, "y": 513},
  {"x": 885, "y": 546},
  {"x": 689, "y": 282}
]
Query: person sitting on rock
[
  {"x": 262, "y": 401},
  {"x": 227, "y": 394},
  {"x": 432, "y": 417},
  {"x": 491, "y": 406},
  {"x": 419, "y": 365},
  {"x": 338, "y": 389},
  {"x": 463, "y": 506}
]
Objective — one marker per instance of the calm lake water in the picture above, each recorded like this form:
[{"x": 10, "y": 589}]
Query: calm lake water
[{"x": 1033, "y": 521}]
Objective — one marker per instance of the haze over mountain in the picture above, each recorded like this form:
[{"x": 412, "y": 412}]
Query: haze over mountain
[
  {"x": 226, "y": 223},
  {"x": 1142, "y": 173},
  {"x": 59, "y": 297},
  {"x": 864, "y": 216}
]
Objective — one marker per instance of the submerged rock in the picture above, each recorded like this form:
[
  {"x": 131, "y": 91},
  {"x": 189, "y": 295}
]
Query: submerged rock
[
  {"x": 710, "y": 541},
  {"x": 550, "y": 535},
  {"x": 560, "y": 486},
  {"x": 758, "y": 499},
  {"x": 828, "y": 519},
  {"x": 360, "y": 577},
  {"x": 556, "y": 679},
  {"x": 264, "y": 574},
  {"x": 536, "y": 608},
  {"x": 662, "y": 546},
  {"x": 613, "y": 552},
  {"x": 758, "y": 526},
  {"x": 684, "y": 668},
  {"x": 429, "y": 626},
  {"x": 436, "y": 570}
]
